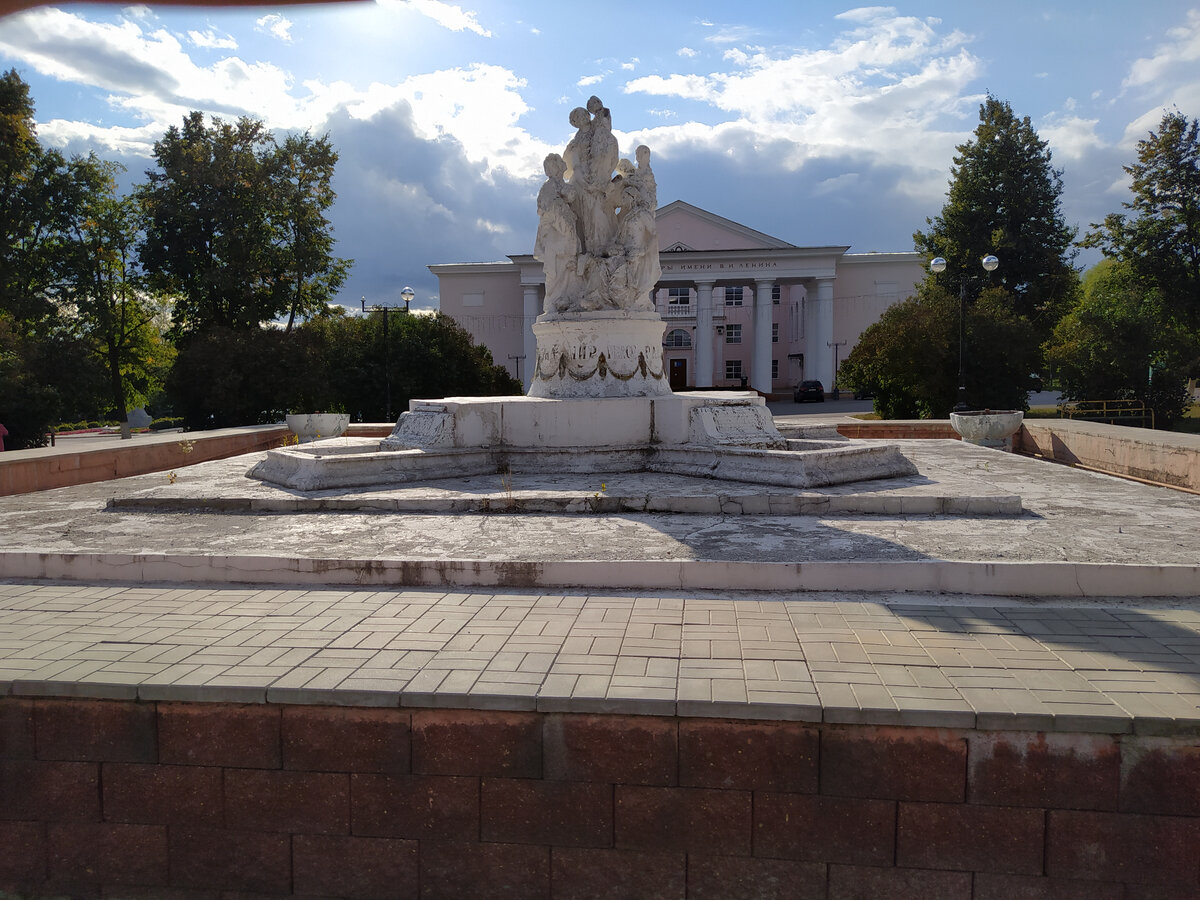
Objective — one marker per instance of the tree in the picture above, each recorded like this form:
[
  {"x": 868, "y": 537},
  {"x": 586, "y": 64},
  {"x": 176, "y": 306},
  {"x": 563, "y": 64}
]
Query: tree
[
  {"x": 235, "y": 224},
  {"x": 99, "y": 282},
  {"x": 1160, "y": 239},
  {"x": 909, "y": 358},
  {"x": 1005, "y": 199},
  {"x": 307, "y": 274},
  {"x": 33, "y": 186},
  {"x": 1123, "y": 342}
]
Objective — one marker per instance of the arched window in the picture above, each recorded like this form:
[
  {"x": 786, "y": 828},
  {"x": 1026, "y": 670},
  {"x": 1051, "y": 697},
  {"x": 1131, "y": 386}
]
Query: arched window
[{"x": 679, "y": 338}]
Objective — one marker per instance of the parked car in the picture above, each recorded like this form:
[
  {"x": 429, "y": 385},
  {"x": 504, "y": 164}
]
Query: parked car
[{"x": 809, "y": 390}]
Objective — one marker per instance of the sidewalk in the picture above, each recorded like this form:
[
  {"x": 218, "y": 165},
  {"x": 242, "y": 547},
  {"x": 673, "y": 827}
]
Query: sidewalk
[{"x": 880, "y": 660}]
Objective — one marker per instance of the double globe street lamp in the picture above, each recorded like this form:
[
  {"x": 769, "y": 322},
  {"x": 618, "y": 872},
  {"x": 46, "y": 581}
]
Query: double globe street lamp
[{"x": 938, "y": 265}]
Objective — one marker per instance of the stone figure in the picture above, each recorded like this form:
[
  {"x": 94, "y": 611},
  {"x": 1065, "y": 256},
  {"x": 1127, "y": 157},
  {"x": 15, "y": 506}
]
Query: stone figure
[
  {"x": 557, "y": 244},
  {"x": 597, "y": 237}
]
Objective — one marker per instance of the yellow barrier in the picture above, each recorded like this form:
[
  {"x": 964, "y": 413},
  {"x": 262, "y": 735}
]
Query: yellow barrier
[{"x": 1114, "y": 412}]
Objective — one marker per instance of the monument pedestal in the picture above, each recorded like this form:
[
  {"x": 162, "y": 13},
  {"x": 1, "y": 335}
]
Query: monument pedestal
[{"x": 601, "y": 354}]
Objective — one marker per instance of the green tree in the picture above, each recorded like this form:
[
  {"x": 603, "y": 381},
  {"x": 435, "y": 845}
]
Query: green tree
[
  {"x": 34, "y": 184},
  {"x": 235, "y": 224},
  {"x": 1123, "y": 342},
  {"x": 1005, "y": 199},
  {"x": 99, "y": 283},
  {"x": 909, "y": 358},
  {"x": 308, "y": 274},
  {"x": 1160, "y": 237}
]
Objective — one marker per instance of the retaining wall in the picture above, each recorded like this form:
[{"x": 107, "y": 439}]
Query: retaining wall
[
  {"x": 197, "y": 800},
  {"x": 43, "y": 468}
]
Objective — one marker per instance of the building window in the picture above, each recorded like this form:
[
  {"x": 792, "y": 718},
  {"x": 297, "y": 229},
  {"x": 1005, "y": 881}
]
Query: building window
[
  {"x": 775, "y": 294},
  {"x": 733, "y": 296},
  {"x": 774, "y": 369},
  {"x": 733, "y": 368},
  {"x": 733, "y": 334},
  {"x": 774, "y": 332},
  {"x": 678, "y": 339},
  {"x": 679, "y": 296}
]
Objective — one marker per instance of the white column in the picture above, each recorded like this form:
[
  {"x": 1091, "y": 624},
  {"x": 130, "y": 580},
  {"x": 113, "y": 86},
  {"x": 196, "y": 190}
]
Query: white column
[
  {"x": 703, "y": 343},
  {"x": 760, "y": 371},
  {"x": 823, "y": 339},
  {"x": 533, "y": 308}
]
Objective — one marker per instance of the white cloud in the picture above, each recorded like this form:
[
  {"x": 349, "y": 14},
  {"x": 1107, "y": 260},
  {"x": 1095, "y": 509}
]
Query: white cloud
[
  {"x": 449, "y": 16},
  {"x": 1181, "y": 50},
  {"x": 275, "y": 25},
  {"x": 687, "y": 52},
  {"x": 1070, "y": 137},
  {"x": 210, "y": 40},
  {"x": 589, "y": 80}
]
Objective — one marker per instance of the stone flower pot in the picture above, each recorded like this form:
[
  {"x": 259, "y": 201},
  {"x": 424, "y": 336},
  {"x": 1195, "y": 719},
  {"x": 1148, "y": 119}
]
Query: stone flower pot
[
  {"x": 310, "y": 426},
  {"x": 988, "y": 427}
]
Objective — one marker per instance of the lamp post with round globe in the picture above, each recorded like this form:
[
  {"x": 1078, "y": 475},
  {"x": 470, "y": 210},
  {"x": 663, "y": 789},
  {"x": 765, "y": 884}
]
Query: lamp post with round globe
[{"x": 938, "y": 265}]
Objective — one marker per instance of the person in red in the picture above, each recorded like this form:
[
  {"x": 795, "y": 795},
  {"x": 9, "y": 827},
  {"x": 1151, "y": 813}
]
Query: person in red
[{"x": 3, "y": 432}]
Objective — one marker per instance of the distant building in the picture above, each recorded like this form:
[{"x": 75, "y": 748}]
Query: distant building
[{"x": 739, "y": 304}]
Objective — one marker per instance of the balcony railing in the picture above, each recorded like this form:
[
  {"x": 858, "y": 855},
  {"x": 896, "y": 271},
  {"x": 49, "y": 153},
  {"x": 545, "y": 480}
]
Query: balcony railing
[{"x": 686, "y": 311}]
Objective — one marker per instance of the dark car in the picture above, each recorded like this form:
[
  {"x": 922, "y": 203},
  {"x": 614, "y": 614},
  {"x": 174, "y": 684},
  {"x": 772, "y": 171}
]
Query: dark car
[{"x": 810, "y": 390}]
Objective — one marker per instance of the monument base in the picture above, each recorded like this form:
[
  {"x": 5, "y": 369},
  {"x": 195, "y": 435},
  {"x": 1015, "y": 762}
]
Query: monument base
[{"x": 601, "y": 354}]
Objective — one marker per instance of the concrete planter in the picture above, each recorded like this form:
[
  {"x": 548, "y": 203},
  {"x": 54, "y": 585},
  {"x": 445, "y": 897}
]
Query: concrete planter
[
  {"x": 310, "y": 426},
  {"x": 988, "y": 427}
]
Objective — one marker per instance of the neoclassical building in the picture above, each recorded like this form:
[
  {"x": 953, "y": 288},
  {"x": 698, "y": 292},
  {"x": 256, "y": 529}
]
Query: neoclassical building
[{"x": 741, "y": 307}]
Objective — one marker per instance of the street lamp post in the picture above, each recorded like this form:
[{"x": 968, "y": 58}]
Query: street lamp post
[{"x": 938, "y": 265}]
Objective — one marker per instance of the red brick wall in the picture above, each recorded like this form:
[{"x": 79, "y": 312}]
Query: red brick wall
[
  {"x": 190, "y": 800},
  {"x": 871, "y": 429}
]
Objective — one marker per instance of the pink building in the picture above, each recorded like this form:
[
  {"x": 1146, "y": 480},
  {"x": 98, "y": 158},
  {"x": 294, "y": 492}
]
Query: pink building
[{"x": 739, "y": 304}]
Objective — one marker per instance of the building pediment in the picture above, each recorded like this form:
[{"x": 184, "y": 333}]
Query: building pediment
[{"x": 684, "y": 228}]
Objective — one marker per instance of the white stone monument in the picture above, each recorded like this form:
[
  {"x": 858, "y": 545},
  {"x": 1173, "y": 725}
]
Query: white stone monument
[
  {"x": 599, "y": 334},
  {"x": 599, "y": 400}
]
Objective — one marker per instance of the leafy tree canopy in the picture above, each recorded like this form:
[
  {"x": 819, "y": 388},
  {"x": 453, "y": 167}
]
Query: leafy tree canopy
[
  {"x": 235, "y": 224},
  {"x": 1005, "y": 199},
  {"x": 909, "y": 358},
  {"x": 1160, "y": 236}
]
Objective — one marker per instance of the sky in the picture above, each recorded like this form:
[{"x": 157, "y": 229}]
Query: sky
[{"x": 820, "y": 123}]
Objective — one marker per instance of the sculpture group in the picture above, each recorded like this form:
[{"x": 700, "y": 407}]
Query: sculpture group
[{"x": 596, "y": 239}]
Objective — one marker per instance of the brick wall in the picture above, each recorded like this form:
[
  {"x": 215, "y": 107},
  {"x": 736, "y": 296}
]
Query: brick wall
[
  {"x": 193, "y": 800},
  {"x": 886, "y": 430}
]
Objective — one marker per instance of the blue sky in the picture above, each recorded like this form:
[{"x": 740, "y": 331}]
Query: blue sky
[{"x": 820, "y": 123}]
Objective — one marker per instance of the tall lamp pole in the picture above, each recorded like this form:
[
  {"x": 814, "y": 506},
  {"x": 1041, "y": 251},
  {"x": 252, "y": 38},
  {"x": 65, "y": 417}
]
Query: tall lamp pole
[{"x": 938, "y": 265}]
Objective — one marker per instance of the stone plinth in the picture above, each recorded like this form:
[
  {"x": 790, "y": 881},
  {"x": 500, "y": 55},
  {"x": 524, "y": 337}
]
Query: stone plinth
[{"x": 603, "y": 354}]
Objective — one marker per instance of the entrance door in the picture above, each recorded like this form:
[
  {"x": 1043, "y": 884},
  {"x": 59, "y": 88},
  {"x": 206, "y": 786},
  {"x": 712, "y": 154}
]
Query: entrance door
[{"x": 678, "y": 375}]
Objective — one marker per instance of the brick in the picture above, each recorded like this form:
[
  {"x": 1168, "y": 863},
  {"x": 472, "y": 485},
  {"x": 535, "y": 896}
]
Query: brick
[
  {"x": 299, "y": 802},
  {"x": 50, "y": 791},
  {"x": 974, "y": 838},
  {"x": 471, "y": 742},
  {"x": 213, "y": 858},
  {"x": 865, "y": 883},
  {"x": 588, "y": 874},
  {"x": 1155, "y": 892},
  {"x": 1122, "y": 847},
  {"x": 760, "y": 756},
  {"x": 1160, "y": 776},
  {"x": 743, "y": 878},
  {"x": 219, "y": 734},
  {"x": 614, "y": 749},
  {"x": 101, "y": 730},
  {"x": 167, "y": 795},
  {"x": 686, "y": 820},
  {"x": 991, "y": 886},
  {"x": 322, "y": 739},
  {"x": 359, "y": 867},
  {"x": 107, "y": 853},
  {"x": 1060, "y": 771},
  {"x": 558, "y": 813},
  {"x": 495, "y": 871},
  {"x": 438, "y": 807},
  {"x": 23, "y": 859},
  {"x": 894, "y": 764},
  {"x": 850, "y": 830},
  {"x": 16, "y": 728}
]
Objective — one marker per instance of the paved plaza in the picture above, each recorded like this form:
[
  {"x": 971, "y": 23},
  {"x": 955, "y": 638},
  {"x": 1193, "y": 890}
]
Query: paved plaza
[{"x": 1104, "y": 663}]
